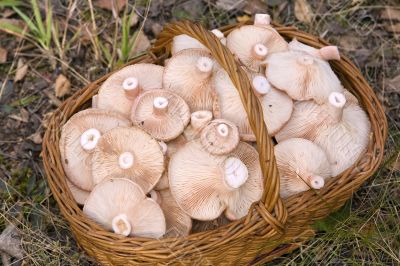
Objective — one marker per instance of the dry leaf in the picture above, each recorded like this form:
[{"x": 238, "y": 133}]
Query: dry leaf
[
  {"x": 142, "y": 43},
  {"x": 62, "y": 86},
  {"x": 22, "y": 69},
  {"x": 134, "y": 20},
  {"x": 53, "y": 99},
  {"x": 109, "y": 4},
  {"x": 394, "y": 84},
  {"x": 390, "y": 13},
  {"x": 36, "y": 138},
  {"x": 23, "y": 116},
  {"x": 394, "y": 28},
  {"x": 243, "y": 18},
  {"x": 229, "y": 5},
  {"x": 3, "y": 55},
  {"x": 156, "y": 28},
  {"x": 255, "y": 6},
  {"x": 303, "y": 11}
]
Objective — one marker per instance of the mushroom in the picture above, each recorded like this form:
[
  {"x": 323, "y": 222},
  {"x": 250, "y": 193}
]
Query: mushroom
[
  {"x": 205, "y": 185},
  {"x": 120, "y": 205},
  {"x": 183, "y": 42},
  {"x": 339, "y": 127},
  {"x": 252, "y": 44},
  {"x": 277, "y": 106},
  {"x": 128, "y": 153},
  {"x": 219, "y": 137},
  {"x": 198, "y": 120},
  {"x": 302, "y": 76},
  {"x": 175, "y": 144},
  {"x": 163, "y": 183},
  {"x": 228, "y": 105},
  {"x": 178, "y": 223},
  {"x": 78, "y": 194},
  {"x": 119, "y": 91},
  {"x": 94, "y": 101},
  {"x": 302, "y": 165},
  {"x": 161, "y": 113},
  {"x": 189, "y": 74},
  {"x": 329, "y": 52},
  {"x": 79, "y": 137}
]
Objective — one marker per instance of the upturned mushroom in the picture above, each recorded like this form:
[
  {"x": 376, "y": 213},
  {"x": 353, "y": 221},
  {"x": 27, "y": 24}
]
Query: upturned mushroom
[
  {"x": 302, "y": 76},
  {"x": 178, "y": 223},
  {"x": 163, "y": 183},
  {"x": 121, "y": 205},
  {"x": 206, "y": 185},
  {"x": 302, "y": 165},
  {"x": 252, "y": 44},
  {"x": 79, "y": 138},
  {"x": 277, "y": 106},
  {"x": 198, "y": 120},
  {"x": 119, "y": 91},
  {"x": 329, "y": 52},
  {"x": 128, "y": 153},
  {"x": 219, "y": 137},
  {"x": 161, "y": 113},
  {"x": 78, "y": 194},
  {"x": 183, "y": 42},
  {"x": 339, "y": 127},
  {"x": 189, "y": 74}
]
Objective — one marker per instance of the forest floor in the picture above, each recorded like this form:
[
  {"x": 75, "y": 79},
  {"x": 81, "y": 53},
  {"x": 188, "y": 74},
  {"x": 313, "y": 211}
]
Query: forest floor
[{"x": 84, "y": 40}]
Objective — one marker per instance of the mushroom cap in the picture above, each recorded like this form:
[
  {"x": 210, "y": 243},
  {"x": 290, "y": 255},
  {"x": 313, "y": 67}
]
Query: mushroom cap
[
  {"x": 175, "y": 144},
  {"x": 163, "y": 183},
  {"x": 161, "y": 113},
  {"x": 76, "y": 160},
  {"x": 247, "y": 40},
  {"x": 326, "y": 53},
  {"x": 128, "y": 153},
  {"x": 121, "y": 205},
  {"x": 189, "y": 74},
  {"x": 94, "y": 101},
  {"x": 198, "y": 120},
  {"x": 341, "y": 128},
  {"x": 277, "y": 106},
  {"x": 302, "y": 76},
  {"x": 113, "y": 96},
  {"x": 201, "y": 183},
  {"x": 301, "y": 165},
  {"x": 228, "y": 105},
  {"x": 183, "y": 42},
  {"x": 79, "y": 195},
  {"x": 219, "y": 137},
  {"x": 177, "y": 221}
]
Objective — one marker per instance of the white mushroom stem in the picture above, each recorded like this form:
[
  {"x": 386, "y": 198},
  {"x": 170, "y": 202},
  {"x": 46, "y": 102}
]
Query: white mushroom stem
[
  {"x": 89, "y": 139},
  {"x": 260, "y": 51},
  {"x": 160, "y": 105},
  {"x": 131, "y": 87},
  {"x": 200, "y": 118},
  {"x": 305, "y": 60},
  {"x": 126, "y": 160},
  {"x": 121, "y": 225},
  {"x": 205, "y": 66},
  {"x": 261, "y": 86},
  {"x": 329, "y": 53},
  {"x": 262, "y": 20},
  {"x": 223, "y": 130},
  {"x": 337, "y": 101},
  {"x": 155, "y": 196},
  {"x": 316, "y": 182},
  {"x": 164, "y": 147},
  {"x": 236, "y": 173}
]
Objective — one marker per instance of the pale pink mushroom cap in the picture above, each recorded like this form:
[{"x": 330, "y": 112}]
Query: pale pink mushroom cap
[
  {"x": 326, "y": 53},
  {"x": 220, "y": 137},
  {"x": 302, "y": 76},
  {"x": 198, "y": 120},
  {"x": 128, "y": 153},
  {"x": 253, "y": 44},
  {"x": 119, "y": 91},
  {"x": 161, "y": 113},
  {"x": 189, "y": 74},
  {"x": 79, "y": 137},
  {"x": 121, "y": 206},
  {"x": 79, "y": 195},
  {"x": 302, "y": 165},
  {"x": 183, "y": 42}
]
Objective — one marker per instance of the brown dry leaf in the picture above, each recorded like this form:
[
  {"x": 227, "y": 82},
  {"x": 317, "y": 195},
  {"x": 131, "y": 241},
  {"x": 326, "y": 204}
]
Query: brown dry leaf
[
  {"x": 134, "y": 20},
  {"x": 229, "y": 5},
  {"x": 142, "y": 43},
  {"x": 303, "y": 11},
  {"x": 109, "y": 4},
  {"x": 394, "y": 84},
  {"x": 3, "y": 55},
  {"x": 390, "y": 13},
  {"x": 394, "y": 28},
  {"x": 243, "y": 18},
  {"x": 23, "y": 116},
  {"x": 36, "y": 138},
  {"x": 62, "y": 86},
  {"x": 22, "y": 69},
  {"x": 255, "y": 6}
]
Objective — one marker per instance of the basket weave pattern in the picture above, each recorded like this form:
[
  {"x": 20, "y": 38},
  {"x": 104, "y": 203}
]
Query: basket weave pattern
[{"x": 270, "y": 223}]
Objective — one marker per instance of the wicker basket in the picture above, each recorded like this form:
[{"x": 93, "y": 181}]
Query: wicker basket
[{"x": 272, "y": 227}]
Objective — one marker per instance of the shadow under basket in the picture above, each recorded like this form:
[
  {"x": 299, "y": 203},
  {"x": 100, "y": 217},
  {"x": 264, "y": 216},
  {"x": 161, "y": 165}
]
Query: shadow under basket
[{"x": 272, "y": 227}]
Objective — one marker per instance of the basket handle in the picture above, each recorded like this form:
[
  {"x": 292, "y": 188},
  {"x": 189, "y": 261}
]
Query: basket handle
[{"x": 250, "y": 102}]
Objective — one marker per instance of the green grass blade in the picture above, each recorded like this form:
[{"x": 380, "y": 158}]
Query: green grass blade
[
  {"x": 9, "y": 3},
  {"x": 27, "y": 20},
  {"x": 49, "y": 18},
  {"x": 38, "y": 18}
]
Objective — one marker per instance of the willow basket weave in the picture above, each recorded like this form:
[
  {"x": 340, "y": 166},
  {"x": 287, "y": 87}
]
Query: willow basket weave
[{"x": 271, "y": 227}]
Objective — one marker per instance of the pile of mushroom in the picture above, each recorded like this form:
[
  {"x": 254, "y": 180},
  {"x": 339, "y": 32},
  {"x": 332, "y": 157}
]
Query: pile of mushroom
[{"x": 166, "y": 146}]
